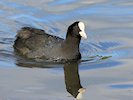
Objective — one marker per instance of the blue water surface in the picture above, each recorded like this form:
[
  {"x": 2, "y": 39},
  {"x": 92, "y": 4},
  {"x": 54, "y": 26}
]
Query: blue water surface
[{"x": 106, "y": 54}]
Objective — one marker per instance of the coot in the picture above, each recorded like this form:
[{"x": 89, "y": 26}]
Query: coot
[{"x": 36, "y": 43}]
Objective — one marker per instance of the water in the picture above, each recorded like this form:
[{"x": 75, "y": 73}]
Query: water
[{"x": 107, "y": 73}]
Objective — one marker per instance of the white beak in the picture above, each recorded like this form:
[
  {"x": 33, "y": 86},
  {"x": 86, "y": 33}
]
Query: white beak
[
  {"x": 82, "y": 28},
  {"x": 80, "y": 95},
  {"x": 83, "y": 34}
]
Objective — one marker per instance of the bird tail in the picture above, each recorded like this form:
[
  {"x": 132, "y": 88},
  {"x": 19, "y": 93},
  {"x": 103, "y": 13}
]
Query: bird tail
[{"x": 26, "y": 32}]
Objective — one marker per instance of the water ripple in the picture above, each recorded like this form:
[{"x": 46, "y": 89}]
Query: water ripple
[{"x": 122, "y": 86}]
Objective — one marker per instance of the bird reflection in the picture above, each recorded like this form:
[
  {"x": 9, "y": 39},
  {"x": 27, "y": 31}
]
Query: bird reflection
[
  {"x": 71, "y": 74},
  {"x": 72, "y": 80}
]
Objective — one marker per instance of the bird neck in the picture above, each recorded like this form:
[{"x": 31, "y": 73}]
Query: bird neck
[{"x": 73, "y": 40}]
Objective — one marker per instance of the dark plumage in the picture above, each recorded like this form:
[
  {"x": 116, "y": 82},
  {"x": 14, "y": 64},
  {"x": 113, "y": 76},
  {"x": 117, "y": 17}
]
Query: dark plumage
[{"x": 36, "y": 43}]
